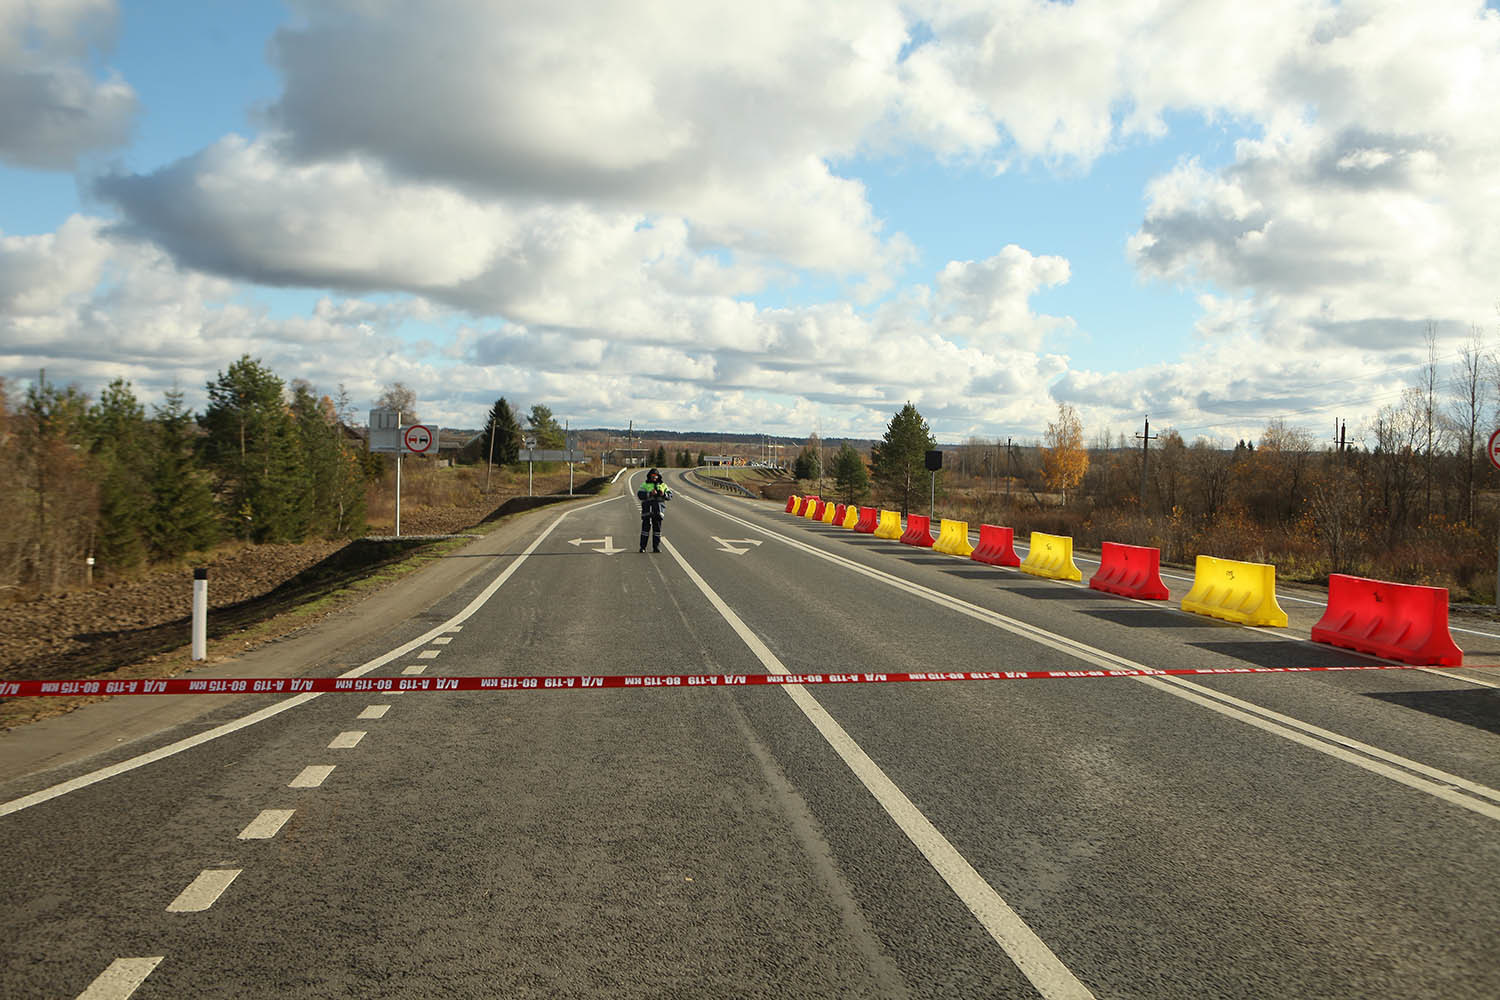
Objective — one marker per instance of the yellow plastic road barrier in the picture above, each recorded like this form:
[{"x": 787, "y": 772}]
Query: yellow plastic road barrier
[
  {"x": 889, "y": 526},
  {"x": 953, "y": 538},
  {"x": 829, "y": 510},
  {"x": 1051, "y": 556},
  {"x": 851, "y": 516},
  {"x": 1242, "y": 592}
]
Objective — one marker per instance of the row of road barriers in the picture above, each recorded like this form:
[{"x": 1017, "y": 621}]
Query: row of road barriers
[{"x": 1397, "y": 621}]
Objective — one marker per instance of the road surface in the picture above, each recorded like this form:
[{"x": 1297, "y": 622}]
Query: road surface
[{"x": 1246, "y": 836}]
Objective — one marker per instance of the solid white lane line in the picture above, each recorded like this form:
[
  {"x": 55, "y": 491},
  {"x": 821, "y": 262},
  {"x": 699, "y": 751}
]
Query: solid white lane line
[
  {"x": 311, "y": 776},
  {"x": 374, "y": 711},
  {"x": 442, "y": 640},
  {"x": 267, "y": 825},
  {"x": 428, "y": 654},
  {"x": 1030, "y": 953},
  {"x": 452, "y": 625},
  {"x": 204, "y": 890},
  {"x": 415, "y": 668},
  {"x": 347, "y": 740},
  {"x": 1459, "y": 677},
  {"x": 121, "y": 979},
  {"x": 1337, "y": 745}
]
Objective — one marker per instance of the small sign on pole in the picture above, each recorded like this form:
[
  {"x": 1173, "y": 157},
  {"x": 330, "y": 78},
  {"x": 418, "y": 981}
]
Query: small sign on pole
[
  {"x": 1493, "y": 450},
  {"x": 419, "y": 439}
]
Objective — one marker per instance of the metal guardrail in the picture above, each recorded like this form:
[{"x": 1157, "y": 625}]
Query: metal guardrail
[{"x": 728, "y": 485}]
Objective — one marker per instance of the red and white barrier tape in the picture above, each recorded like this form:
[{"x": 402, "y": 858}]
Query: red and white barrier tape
[{"x": 567, "y": 682}]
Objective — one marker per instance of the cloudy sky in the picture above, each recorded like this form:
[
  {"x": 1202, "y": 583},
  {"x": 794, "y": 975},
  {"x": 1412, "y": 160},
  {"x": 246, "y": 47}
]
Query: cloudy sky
[{"x": 766, "y": 217}]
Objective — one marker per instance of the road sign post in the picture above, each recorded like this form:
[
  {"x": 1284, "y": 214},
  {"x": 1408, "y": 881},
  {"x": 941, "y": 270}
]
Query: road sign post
[{"x": 1493, "y": 450}]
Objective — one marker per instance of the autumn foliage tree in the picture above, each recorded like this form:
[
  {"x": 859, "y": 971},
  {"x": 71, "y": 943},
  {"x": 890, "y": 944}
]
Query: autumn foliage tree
[{"x": 1065, "y": 459}]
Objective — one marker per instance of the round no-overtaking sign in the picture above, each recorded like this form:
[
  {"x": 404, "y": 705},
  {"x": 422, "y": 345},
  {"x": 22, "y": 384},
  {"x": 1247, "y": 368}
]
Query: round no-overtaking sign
[{"x": 419, "y": 438}]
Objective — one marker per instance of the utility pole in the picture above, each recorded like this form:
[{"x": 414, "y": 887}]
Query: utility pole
[
  {"x": 1008, "y": 462},
  {"x": 1146, "y": 437},
  {"x": 490, "y": 462}
]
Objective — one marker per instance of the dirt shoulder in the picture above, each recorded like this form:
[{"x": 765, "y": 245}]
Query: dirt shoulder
[
  {"x": 257, "y": 594},
  {"x": 51, "y": 733}
]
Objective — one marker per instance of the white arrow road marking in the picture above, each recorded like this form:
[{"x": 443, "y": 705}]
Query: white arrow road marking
[
  {"x": 608, "y": 541},
  {"x": 728, "y": 544}
]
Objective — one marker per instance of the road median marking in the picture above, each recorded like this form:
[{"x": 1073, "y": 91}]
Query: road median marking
[
  {"x": 123, "y": 977},
  {"x": 1440, "y": 784},
  {"x": 204, "y": 890},
  {"x": 1029, "y": 952}
]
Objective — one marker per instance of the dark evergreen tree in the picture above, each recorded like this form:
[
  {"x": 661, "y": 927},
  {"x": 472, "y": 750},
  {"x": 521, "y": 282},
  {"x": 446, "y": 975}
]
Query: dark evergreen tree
[
  {"x": 182, "y": 518},
  {"x": 118, "y": 444},
  {"x": 253, "y": 447},
  {"x": 850, "y": 475},
  {"x": 337, "y": 507},
  {"x": 807, "y": 464},
  {"x": 545, "y": 429},
  {"x": 660, "y": 458},
  {"x": 506, "y": 434},
  {"x": 900, "y": 458}
]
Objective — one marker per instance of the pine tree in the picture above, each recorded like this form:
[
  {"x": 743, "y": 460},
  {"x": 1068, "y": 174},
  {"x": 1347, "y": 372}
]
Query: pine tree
[
  {"x": 118, "y": 444},
  {"x": 660, "y": 460},
  {"x": 253, "y": 447},
  {"x": 183, "y": 518},
  {"x": 850, "y": 475},
  {"x": 899, "y": 460},
  {"x": 333, "y": 468},
  {"x": 506, "y": 433},
  {"x": 545, "y": 428}
]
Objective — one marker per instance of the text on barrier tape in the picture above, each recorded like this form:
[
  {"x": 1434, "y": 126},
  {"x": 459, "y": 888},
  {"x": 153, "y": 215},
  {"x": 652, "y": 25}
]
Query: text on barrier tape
[{"x": 570, "y": 682}]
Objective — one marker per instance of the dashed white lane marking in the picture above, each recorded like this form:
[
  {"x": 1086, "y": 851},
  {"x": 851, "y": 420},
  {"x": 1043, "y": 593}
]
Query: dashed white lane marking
[
  {"x": 374, "y": 711},
  {"x": 121, "y": 978},
  {"x": 415, "y": 668},
  {"x": 104, "y": 773},
  {"x": 204, "y": 890},
  {"x": 347, "y": 740},
  {"x": 428, "y": 654},
  {"x": 312, "y": 776},
  {"x": 442, "y": 640},
  {"x": 267, "y": 825},
  {"x": 1030, "y": 953}
]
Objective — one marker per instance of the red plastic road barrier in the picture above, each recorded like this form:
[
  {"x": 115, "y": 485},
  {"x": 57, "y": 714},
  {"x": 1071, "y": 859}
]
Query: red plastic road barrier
[
  {"x": 918, "y": 531},
  {"x": 997, "y": 546},
  {"x": 791, "y": 503},
  {"x": 367, "y": 685},
  {"x": 818, "y": 507},
  {"x": 1396, "y": 620},
  {"x": 1131, "y": 570},
  {"x": 838, "y": 514},
  {"x": 869, "y": 520}
]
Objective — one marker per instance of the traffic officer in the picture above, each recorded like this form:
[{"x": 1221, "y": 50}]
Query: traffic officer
[{"x": 653, "y": 495}]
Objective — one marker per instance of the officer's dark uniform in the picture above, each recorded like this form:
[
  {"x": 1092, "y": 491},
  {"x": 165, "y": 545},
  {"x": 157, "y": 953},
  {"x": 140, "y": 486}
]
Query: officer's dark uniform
[{"x": 653, "y": 496}]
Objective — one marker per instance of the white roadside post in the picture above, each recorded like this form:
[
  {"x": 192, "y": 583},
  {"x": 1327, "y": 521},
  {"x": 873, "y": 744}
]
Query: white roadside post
[{"x": 200, "y": 614}]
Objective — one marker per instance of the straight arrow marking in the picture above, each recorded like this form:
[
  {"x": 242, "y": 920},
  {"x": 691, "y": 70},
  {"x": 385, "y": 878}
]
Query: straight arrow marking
[{"x": 728, "y": 544}]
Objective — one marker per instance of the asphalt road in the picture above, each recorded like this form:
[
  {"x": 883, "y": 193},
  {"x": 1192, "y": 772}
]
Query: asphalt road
[{"x": 1246, "y": 836}]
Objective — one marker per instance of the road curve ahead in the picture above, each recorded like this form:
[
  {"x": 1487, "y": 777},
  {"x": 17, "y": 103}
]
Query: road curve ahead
[{"x": 1239, "y": 836}]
